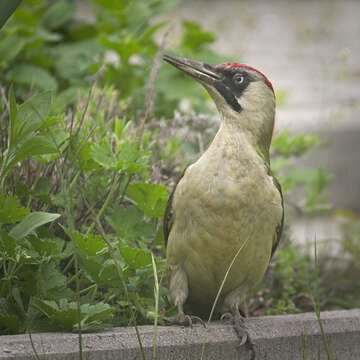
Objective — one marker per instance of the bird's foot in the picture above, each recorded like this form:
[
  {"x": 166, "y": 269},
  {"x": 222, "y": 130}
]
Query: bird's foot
[
  {"x": 239, "y": 326},
  {"x": 227, "y": 317},
  {"x": 242, "y": 333},
  {"x": 185, "y": 320}
]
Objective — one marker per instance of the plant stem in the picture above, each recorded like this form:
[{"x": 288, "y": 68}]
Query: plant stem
[
  {"x": 156, "y": 296},
  {"x": 105, "y": 204},
  {"x": 121, "y": 275}
]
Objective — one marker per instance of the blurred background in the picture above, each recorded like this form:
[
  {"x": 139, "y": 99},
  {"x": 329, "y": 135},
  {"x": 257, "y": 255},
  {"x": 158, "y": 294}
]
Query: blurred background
[
  {"x": 311, "y": 52},
  {"x": 114, "y": 127}
]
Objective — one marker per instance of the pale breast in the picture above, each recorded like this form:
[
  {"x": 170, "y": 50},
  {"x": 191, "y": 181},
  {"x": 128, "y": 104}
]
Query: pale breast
[{"x": 222, "y": 206}]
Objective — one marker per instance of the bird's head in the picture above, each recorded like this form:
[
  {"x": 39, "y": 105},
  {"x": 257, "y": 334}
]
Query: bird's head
[{"x": 243, "y": 95}]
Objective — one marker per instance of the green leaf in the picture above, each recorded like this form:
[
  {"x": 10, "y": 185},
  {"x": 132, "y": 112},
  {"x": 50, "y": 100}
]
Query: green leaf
[
  {"x": 103, "y": 155},
  {"x": 9, "y": 318},
  {"x": 13, "y": 114},
  {"x": 10, "y": 47},
  {"x": 109, "y": 274},
  {"x": 129, "y": 223},
  {"x": 135, "y": 257},
  {"x": 91, "y": 245},
  {"x": 150, "y": 198},
  {"x": 37, "y": 145},
  {"x": 50, "y": 248},
  {"x": 50, "y": 280},
  {"x": 125, "y": 46},
  {"x": 59, "y": 13},
  {"x": 29, "y": 117},
  {"x": 195, "y": 37},
  {"x": 7, "y": 244},
  {"x": 7, "y": 7},
  {"x": 11, "y": 210},
  {"x": 93, "y": 266},
  {"x": 31, "y": 222},
  {"x": 64, "y": 313},
  {"x": 32, "y": 114},
  {"x": 302, "y": 176},
  {"x": 29, "y": 74},
  {"x": 294, "y": 145},
  {"x": 133, "y": 159},
  {"x": 73, "y": 60},
  {"x": 97, "y": 312}
]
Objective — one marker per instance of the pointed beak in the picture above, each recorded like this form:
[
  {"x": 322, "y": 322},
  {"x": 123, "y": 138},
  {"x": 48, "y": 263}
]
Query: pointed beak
[{"x": 202, "y": 72}]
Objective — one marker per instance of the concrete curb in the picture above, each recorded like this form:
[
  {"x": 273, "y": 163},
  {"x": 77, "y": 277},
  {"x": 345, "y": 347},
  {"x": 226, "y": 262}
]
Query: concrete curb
[{"x": 274, "y": 337}]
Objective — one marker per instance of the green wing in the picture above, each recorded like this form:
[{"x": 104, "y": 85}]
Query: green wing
[
  {"x": 169, "y": 213},
  {"x": 279, "y": 228}
]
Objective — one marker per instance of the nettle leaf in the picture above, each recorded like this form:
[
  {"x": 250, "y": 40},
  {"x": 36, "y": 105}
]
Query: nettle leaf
[
  {"x": 97, "y": 312},
  {"x": 133, "y": 159},
  {"x": 37, "y": 76},
  {"x": 135, "y": 257},
  {"x": 129, "y": 224},
  {"x": 64, "y": 313},
  {"x": 93, "y": 266},
  {"x": 86, "y": 160},
  {"x": 11, "y": 210},
  {"x": 52, "y": 248},
  {"x": 109, "y": 274},
  {"x": 49, "y": 279},
  {"x": 150, "y": 198},
  {"x": 31, "y": 222},
  {"x": 103, "y": 155},
  {"x": 90, "y": 244}
]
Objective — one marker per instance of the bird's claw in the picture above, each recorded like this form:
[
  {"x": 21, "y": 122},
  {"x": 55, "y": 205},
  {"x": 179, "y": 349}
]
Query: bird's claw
[
  {"x": 242, "y": 334},
  {"x": 185, "y": 320},
  {"x": 226, "y": 317},
  {"x": 239, "y": 326}
]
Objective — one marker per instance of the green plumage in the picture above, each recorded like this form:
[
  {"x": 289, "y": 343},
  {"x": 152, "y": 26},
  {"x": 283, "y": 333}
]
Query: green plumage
[{"x": 227, "y": 208}]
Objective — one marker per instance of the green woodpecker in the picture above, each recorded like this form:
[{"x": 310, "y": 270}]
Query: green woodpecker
[{"x": 225, "y": 216}]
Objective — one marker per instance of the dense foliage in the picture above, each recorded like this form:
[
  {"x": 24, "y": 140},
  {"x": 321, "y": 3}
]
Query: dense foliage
[{"x": 79, "y": 212}]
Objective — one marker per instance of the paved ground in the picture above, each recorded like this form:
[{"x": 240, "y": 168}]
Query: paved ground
[
  {"x": 285, "y": 337},
  {"x": 310, "y": 50}
]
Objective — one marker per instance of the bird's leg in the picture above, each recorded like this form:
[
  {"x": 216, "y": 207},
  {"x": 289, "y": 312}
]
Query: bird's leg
[
  {"x": 233, "y": 302},
  {"x": 244, "y": 308},
  {"x": 239, "y": 325},
  {"x": 179, "y": 293},
  {"x": 228, "y": 316},
  {"x": 185, "y": 320}
]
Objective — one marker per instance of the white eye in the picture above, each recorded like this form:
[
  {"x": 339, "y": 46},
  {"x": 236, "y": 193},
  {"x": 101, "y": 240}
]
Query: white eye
[{"x": 238, "y": 79}]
